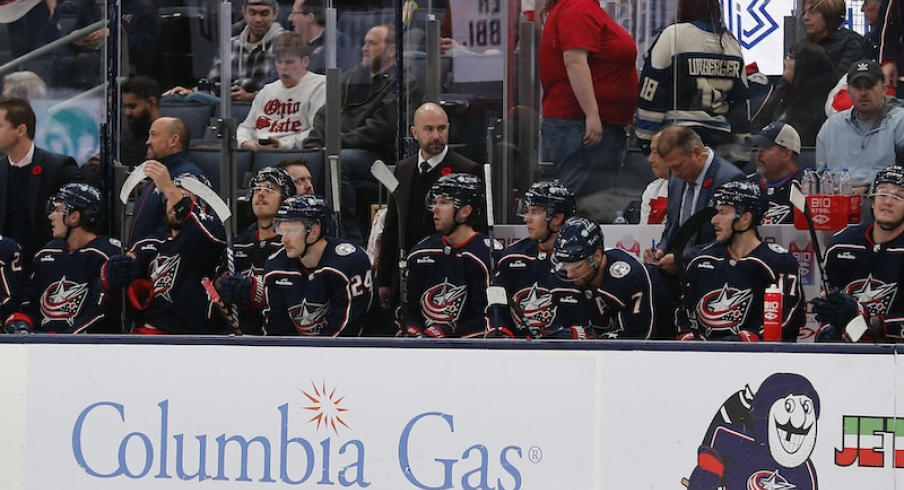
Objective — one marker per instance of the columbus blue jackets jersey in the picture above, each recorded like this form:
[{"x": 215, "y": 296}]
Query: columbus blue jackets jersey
[
  {"x": 12, "y": 277},
  {"x": 724, "y": 294},
  {"x": 870, "y": 273},
  {"x": 778, "y": 194},
  {"x": 329, "y": 301},
  {"x": 624, "y": 304},
  {"x": 65, "y": 292},
  {"x": 693, "y": 76},
  {"x": 447, "y": 287},
  {"x": 541, "y": 304},
  {"x": 251, "y": 254},
  {"x": 175, "y": 266}
]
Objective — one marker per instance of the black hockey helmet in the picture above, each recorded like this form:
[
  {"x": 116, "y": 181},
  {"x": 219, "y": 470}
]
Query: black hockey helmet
[
  {"x": 549, "y": 194},
  {"x": 892, "y": 174},
  {"x": 578, "y": 239},
  {"x": 461, "y": 188},
  {"x": 280, "y": 177},
  {"x": 79, "y": 197},
  {"x": 744, "y": 195},
  {"x": 306, "y": 208}
]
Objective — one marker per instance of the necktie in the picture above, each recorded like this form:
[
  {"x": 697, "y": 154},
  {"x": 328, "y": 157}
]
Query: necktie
[
  {"x": 425, "y": 167},
  {"x": 687, "y": 205}
]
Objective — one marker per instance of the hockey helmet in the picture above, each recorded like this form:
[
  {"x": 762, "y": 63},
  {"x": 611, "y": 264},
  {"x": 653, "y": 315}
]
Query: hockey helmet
[
  {"x": 79, "y": 197},
  {"x": 280, "y": 177},
  {"x": 177, "y": 181},
  {"x": 744, "y": 195},
  {"x": 578, "y": 239},
  {"x": 461, "y": 188},
  {"x": 307, "y": 208},
  {"x": 549, "y": 194},
  {"x": 892, "y": 174}
]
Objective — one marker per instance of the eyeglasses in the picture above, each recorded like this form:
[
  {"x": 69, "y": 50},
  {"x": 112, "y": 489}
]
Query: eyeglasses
[
  {"x": 266, "y": 190},
  {"x": 298, "y": 12}
]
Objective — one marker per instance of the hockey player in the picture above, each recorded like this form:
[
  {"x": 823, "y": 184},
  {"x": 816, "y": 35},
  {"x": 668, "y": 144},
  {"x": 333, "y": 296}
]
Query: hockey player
[
  {"x": 724, "y": 284},
  {"x": 448, "y": 272},
  {"x": 315, "y": 285},
  {"x": 164, "y": 271},
  {"x": 539, "y": 300},
  {"x": 65, "y": 295},
  {"x": 624, "y": 289},
  {"x": 269, "y": 188},
  {"x": 12, "y": 282},
  {"x": 864, "y": 265}
]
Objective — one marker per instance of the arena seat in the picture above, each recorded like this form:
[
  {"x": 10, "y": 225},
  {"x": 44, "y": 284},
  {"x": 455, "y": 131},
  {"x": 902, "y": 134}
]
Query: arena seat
[
  {"x": 315, "y": 159},
  {"x": 238, "y": 111},
  {"x": 195, "y": 114},
  {"x": 210, "y": 160}
]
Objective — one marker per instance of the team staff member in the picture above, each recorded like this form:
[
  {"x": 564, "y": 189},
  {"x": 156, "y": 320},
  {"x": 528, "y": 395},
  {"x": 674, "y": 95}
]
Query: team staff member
[
  {"x": 725, "y": 283},
  {"x": 864, "y": 265},
  {"x": 164, "y": 271},
  {"x": 449, "y": 271},
  {"x": 65, "y": 293}
]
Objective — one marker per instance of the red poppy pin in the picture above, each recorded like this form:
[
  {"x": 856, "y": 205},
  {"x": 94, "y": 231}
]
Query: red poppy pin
[
  {"x": 36, "y": 170},
  {"x": 707, "y": 183},
  {"x": 446, "y": 171}
]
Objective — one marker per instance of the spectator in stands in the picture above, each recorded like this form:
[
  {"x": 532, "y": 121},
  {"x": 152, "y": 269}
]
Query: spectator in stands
[
  {"x": 28, "y": 177},
  {"x": 308, "y": 18},
  {"x": 369, "y": 118},
  {"x": 25, "y": 85},
  {"x": 252, "y": 59},
  {"x": 301, "y": 174},
  {"x": 800, "y": 99},
  {"x": 589, "y": 94},
  {"x": 891, "y": 28},
  {"x": 870, "y": 9},
  {"x": 866, "y": 137},
  {"x": 141, "y": 101},
  {"x": 654, "y": 201},
  {"x": 697, "y": 171},
  {"x": 694, "y": 75},
  {"x": 777, "y": 150},
  {"x": 282, "y": 113},
  {"x": 167, "y": 144},
  {"x": 416, "y": 175},
  {"x": 822, "y": 22}
]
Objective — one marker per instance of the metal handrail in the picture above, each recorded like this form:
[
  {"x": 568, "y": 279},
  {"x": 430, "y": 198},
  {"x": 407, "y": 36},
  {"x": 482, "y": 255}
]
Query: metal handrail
[{"x": 47, "y": 48}]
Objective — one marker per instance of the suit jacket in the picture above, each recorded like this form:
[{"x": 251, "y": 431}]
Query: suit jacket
[
  {"x": 56, "y": 171},
  {"x": 406, "y": 171},
  {"x": 719, "y": 172}
]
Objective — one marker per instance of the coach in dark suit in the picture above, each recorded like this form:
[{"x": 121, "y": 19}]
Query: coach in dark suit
[
  {"x": 696, "y": 172},
  {"x": 416, "y": 175},
  {"x": 29, "y": 176}
]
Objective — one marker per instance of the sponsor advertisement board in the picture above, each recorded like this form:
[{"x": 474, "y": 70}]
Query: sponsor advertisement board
[{"x": 457, "y": 416}]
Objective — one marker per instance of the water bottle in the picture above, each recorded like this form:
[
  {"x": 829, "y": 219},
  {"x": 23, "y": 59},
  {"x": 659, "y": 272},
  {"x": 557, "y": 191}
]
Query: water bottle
[
  {"x": 620, "y": 218},
  {"x": 808, "y": 183},
  {"x": 845, "y": 185},
  {"x": 772, "y": 314},
  {"x": 827, "y": 183}
]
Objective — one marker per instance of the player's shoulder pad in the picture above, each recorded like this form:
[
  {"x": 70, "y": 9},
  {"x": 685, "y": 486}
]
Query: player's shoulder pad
[
  {"x": 428, "y": 242},
  {"x": 619, "y": 269},
  {"x": 777, "y": 248},
  {"x": 344, "y": 249}
]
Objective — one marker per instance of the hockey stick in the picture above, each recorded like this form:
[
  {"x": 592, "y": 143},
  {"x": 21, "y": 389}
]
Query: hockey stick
[
  {"x": 385, "y": 176},
  {"x": 684, "y": 234},
  {"x": 496, "y": 295},
  {"x": 799, "y": 201},
  {"x": 221, "y": 306}
]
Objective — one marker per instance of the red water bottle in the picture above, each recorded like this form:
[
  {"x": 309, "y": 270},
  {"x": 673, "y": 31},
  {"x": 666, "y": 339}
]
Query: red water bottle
[{"x": 772, "y": 314}]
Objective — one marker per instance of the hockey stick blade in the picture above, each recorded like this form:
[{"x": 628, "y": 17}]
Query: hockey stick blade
[
  {"x": 384, "y": 175},
  {"x": 218, "y": 302},
  {"x": 687, "y": 230},
  {"x": 135, "y": 177}
]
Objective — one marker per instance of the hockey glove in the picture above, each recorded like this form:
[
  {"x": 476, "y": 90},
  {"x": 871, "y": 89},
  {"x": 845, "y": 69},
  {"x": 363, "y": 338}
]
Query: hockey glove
[
  {"x": 743, "y": 336},
  {"x": 140, "y": 294},
  {"x": 828, "y": 333},
  {"x": 690, "y": 336},
  {"x": 574, "y": 333},
  {"x": 235, "y": 288},
  {"x": 708, "y": 473},
  {"x": 837, "y": 308},
  {"x": 118, "y": 271},
  {"x": 17, "y": 323}
]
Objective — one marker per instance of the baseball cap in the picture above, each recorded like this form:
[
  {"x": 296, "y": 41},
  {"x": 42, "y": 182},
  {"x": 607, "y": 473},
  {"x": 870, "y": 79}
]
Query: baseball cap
[
  {"x": 777, "y": 133},
  {"x": 865, "y": 68},
  {"x": 265, "y": 3}
]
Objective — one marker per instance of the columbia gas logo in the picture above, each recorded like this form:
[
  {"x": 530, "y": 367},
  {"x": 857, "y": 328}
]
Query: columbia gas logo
[{"x": 306, "y": 444}]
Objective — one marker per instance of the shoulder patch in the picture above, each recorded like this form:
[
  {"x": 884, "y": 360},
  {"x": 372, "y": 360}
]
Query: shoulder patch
[
  {"x": 345, "y": 249},
  {"x": 778, "y": 248},
  {"x": 619, "y": 269},
  {"x": 497, "y": 245}
]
